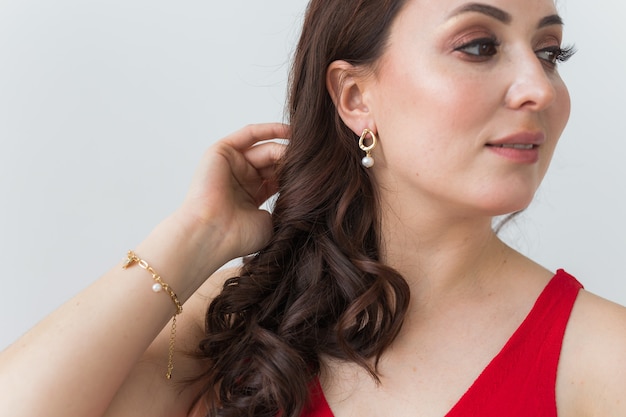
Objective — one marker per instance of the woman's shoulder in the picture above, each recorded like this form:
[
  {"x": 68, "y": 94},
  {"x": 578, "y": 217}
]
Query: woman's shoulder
[{"x": 592, "y": 370}]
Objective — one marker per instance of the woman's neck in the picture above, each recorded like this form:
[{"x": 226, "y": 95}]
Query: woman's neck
[{"x": 443, "y": 258}]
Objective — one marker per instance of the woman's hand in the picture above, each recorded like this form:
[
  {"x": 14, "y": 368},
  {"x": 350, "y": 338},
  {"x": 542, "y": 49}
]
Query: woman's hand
[{"x": 235, "y": 177}]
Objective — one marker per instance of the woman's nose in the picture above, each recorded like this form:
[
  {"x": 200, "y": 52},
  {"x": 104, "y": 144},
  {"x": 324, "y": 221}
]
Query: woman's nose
[{"x": 531, "y": 87}]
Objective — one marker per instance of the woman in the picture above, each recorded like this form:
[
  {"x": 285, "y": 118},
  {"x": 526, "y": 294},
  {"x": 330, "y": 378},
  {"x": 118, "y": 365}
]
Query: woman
[{"x": 379, "y": 287}]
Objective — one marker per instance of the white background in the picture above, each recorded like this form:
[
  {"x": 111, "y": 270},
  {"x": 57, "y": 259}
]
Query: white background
[{"x": 106, "y": 107}]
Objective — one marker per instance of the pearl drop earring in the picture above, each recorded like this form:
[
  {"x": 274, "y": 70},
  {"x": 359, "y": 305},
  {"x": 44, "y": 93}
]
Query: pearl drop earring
[{"x": 367, "y": 160}]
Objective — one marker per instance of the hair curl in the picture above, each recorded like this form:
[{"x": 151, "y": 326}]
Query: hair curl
[{"x": 318, "y": 287}]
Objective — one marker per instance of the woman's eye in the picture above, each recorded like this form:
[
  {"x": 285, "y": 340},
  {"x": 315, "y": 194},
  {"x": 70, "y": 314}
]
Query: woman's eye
[
  {"x": 554, "y": 54},
  {"x": 480, "y": 48}
]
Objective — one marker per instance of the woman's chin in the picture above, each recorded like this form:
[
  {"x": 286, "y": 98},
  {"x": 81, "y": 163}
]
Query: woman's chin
[{"x": 505, "y": 203}]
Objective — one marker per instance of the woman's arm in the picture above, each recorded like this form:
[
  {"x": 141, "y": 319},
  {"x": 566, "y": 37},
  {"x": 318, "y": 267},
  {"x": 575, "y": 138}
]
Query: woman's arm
[
  {"x": 145, "y": 391},
  {"x": 74, "y": 362},
  {"x": 592, "y": 370}
]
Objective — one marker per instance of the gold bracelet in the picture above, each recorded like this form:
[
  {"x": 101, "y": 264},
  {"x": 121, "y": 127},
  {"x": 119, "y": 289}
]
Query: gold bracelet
[{"x": 159, "y": 285}]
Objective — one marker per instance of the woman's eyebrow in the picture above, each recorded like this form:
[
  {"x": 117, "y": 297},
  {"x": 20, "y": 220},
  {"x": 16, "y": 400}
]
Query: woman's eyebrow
[
  {"x": 553, "y": 19},
  {"x": 501, "y": 15},
  {"x": 485, "y": 9}
]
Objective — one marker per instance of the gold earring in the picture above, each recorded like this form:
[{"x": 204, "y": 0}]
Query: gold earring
[{"x": 367, "y": 160}]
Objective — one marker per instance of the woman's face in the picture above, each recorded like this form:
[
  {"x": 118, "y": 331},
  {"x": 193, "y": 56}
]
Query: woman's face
[{"x": 468, "y": 104}]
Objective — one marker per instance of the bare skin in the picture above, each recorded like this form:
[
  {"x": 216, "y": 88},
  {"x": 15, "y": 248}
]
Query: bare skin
[
  {"x": 124, "y": 375},
  {"x": 440, "y": 184},
  {"x": 75, "y": 375}
]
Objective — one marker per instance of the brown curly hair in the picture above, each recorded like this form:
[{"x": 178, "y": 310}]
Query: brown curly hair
[{"x": 318, "y": 288}]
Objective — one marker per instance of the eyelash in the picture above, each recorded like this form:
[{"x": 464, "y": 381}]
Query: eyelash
[{"x": 557, "y": 54}]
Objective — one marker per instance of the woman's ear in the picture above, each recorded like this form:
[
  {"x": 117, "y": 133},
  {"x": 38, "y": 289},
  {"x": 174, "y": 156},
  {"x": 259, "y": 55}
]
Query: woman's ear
[{"x": 346, "y": 86}]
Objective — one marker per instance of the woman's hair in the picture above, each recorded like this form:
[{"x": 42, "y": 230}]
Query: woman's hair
[{"x": 318, "y": 288}]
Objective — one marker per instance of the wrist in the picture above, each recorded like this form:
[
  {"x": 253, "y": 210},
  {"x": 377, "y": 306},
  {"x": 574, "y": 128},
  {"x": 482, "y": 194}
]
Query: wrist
[{"x": 185, "y": 252}]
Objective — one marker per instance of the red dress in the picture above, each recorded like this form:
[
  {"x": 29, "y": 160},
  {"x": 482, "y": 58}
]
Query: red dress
[{"x": 521, "y": 380}]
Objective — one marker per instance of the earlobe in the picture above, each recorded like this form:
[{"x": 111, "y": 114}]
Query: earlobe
[{"x": 346, "y": 88}]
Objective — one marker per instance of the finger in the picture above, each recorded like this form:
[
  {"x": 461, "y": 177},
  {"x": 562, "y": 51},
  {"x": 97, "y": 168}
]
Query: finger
[
  {"x": 265, "y": 156},
  {"x": 255, "y": 170},
  {"x": 251, "y": 134},
  {"x": 262, "y": 192}
]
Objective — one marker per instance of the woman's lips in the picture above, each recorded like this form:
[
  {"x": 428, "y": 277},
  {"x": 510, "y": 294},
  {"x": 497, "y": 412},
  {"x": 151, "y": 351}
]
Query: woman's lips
[
  {"x": 520, "y": 153},
  {"x": 521, "y": 147}
]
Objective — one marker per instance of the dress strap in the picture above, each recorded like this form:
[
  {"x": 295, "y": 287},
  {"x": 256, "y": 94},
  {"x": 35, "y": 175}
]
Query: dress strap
[
  {"x": 521, "y": 380},
  {"x": 318, "y": 406}
]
